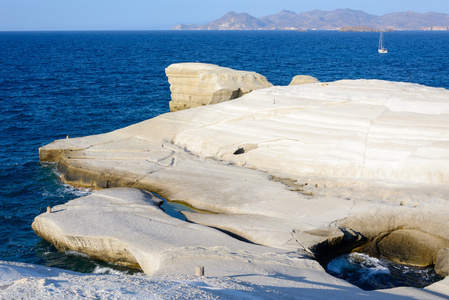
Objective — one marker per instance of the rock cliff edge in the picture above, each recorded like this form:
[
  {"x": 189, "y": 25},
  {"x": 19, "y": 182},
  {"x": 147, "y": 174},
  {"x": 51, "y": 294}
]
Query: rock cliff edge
[{"x": 197, "y": 84}]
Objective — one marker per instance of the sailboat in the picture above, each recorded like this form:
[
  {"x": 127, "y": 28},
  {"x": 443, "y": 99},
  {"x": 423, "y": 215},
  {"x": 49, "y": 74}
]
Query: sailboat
[{"x": 381, "y": 48}]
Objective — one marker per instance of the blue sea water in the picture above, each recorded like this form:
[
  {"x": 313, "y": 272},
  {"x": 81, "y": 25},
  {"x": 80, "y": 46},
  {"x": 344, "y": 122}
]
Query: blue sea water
[{"x": 54, "y": 84}]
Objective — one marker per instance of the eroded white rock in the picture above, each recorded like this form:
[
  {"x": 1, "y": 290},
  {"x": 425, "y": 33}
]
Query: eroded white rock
[
  {"x": 360, "y": 129},
  {"x": 313, "y": 155},
  {"x": 303, "y": 79},
  {"x": 197, "y": 84},
  {"x": 25, "y": 281},
  {"x": 126, "y": 226}
]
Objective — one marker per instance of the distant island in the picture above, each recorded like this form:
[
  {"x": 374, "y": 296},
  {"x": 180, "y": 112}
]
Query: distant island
[
  {"x": 339, "y": 19},
  {"x": 362, "y": 29}
]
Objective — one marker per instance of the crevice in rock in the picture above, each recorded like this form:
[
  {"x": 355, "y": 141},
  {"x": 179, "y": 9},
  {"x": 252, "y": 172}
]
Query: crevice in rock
[
  {"x": 408, "y": 249},
  {"x": 239, "y": 151},
  {"x": 327, "y": 250},
  {"x": 293, "y": 185},
  {"x": 233, "y": 235},
  {"x": 242, "y": 149}
]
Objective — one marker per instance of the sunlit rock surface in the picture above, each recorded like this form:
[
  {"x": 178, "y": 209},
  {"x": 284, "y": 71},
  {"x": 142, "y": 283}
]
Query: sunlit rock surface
[
  {"x": 290, "y": 168},
  {"x": 126, "y": 226},
  {"x": 303, "y": 79},
  {"x": 407, "y": 235},
  {"x": 362, "y": 129},
  {"x": 197, "y": 84},
  {"x": 25, "y": 281}
]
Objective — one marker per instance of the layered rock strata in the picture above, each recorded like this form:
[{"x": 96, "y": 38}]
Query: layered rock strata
[
  {"x": 361, "y": 129},
  {"x": 126, "y": 226},
  {"x": 197, "y": 84},
  {"x": 299, "y": 168}
]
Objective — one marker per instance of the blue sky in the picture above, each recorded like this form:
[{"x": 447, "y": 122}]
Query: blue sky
[{"x": 163, "y": 14}]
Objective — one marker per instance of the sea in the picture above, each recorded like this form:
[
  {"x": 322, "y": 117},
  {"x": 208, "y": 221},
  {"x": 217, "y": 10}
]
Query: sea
[{"x": 59, "y": 84}]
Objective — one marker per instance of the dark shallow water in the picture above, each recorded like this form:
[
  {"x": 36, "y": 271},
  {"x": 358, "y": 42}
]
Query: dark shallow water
[
  {"x": 54, "y": 84},
  {"x": 371, "y": 273}
]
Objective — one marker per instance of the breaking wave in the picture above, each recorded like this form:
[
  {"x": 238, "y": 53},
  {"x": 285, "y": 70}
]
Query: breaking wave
[{"x": 371, "y": 273}]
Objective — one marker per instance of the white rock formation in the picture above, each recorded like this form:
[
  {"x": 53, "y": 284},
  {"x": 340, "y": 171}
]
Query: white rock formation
[
  {"x": 197, "y": 84},
  {"x": 362, "y": 129},
  {"x": 126, "y": 226},
  {"x": 303, "y": 79},
  {"x": 316, "y": 157},
  {"x": 24, "y": 281}
]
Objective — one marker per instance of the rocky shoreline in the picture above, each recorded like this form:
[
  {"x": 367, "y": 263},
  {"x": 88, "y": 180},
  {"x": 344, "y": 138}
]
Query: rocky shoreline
[{"x": 303, "y": 171}]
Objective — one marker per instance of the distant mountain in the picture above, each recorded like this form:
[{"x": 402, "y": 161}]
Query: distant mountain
[
  {"x": 230, "y": 21},
  {"x": 415, "y": 21},
  {"x": 325, "y": 20}
]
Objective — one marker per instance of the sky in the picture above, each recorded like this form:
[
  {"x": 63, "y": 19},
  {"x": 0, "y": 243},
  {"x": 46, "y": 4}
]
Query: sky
[{"x": 33, "y": 15}]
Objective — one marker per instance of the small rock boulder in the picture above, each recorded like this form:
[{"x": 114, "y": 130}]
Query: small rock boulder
[
  {"x": 197, "y": 84},
  {"x": 442, "y": 262},
  {"x": 406, "y": 246},
  {"x": 303, "y": 79},
  {"x": 410, "y": 246}
]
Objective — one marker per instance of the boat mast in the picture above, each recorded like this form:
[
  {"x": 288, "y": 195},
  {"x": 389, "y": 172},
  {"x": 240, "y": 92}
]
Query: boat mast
[
  {"x": 381, "y": 38},
  {"x": 381, "y": 48}
]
